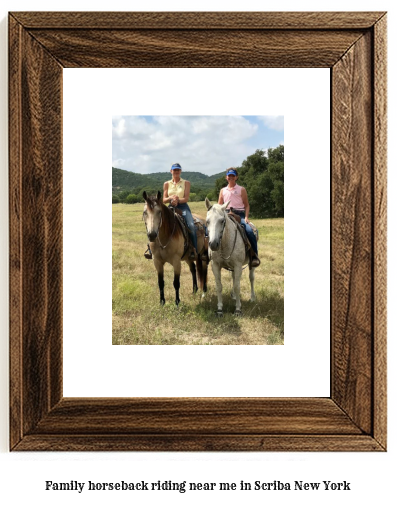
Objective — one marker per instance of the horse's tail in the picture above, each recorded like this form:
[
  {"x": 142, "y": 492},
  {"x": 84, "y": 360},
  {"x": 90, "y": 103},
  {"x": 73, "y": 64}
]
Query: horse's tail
[{"x": 202, "y": 271}]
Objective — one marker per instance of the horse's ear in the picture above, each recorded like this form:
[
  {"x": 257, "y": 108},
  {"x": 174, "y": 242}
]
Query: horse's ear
[
  {"x": 207, "y": 203},
  {"x": 144, "y": 195},
  {"x": 158, "y": 195},
  {"x": 226, "y": 205}
]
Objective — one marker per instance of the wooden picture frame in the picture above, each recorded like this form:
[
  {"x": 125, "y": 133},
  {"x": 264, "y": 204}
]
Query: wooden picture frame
[{"x": 353, "y": 46}]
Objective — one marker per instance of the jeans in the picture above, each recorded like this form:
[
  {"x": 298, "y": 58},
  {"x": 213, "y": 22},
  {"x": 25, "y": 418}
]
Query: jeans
[
  {"x": 248, "y": 230},
  {"x": 187, "y": 215}
]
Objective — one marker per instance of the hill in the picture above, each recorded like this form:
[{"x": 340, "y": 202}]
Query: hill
[{"x": 135, "y": 183}]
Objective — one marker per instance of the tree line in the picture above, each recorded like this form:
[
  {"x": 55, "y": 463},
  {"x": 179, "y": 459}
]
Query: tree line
[{"x": 262, "y": 174}]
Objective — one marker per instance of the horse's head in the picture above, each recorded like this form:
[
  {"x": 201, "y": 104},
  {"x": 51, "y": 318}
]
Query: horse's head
[
  {"x": 152, "y": 214},
  {"x": 216, "y": 221}
]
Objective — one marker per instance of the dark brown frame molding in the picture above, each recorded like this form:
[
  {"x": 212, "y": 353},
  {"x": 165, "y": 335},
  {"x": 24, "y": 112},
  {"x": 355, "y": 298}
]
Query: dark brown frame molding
[{"x": 353, "y": 46}]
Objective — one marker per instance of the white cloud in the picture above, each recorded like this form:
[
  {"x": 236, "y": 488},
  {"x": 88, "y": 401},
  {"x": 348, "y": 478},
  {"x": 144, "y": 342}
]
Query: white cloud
[
  {"x": 273, "y": 122},
  {"x": 207, "y": 144}
]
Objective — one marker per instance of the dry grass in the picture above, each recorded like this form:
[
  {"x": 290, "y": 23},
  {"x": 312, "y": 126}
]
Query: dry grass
[{"x": 138, "y": 318}]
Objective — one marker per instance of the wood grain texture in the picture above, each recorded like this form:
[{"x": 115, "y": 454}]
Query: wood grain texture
[
  {"x": 201, "y": 20},
  {"x": 196, "y": 48},
  {"x": 199, "y": 443},
  {"x": 380, "y": 229},
  {"x": 353, "y": 45},
  {"x": 173, "y": 416},
  {"x": 352, "y": 255},
  {"x": 15, "y": 242},
  {"x": 36, "y": 239}
]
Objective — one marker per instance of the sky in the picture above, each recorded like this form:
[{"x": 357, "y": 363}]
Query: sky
[{"x": 206, "y": 144}]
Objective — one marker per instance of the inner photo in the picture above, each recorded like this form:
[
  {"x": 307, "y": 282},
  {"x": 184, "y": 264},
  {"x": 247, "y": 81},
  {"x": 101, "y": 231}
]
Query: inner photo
[{"x": 198, "y": 230}]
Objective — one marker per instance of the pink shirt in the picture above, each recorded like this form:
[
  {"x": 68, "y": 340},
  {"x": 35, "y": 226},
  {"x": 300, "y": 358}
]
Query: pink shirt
[{"x": 234, "y": 196}]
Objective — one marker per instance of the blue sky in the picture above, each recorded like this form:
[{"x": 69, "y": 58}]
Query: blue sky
[{"x": 206, "y": 144}]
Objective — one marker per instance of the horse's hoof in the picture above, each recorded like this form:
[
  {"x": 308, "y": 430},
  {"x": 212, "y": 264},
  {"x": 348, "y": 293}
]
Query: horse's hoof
[
  {"x": 238, "y": 313},
  {"x": 162, "y": 302},
  {"x": 219, "y": 313}
]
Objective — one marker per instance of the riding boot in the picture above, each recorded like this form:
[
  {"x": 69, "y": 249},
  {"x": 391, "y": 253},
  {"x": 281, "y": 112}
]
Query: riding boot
[
  {"x": 254, "y": 259},
  {"x": 148, "y": 253}
]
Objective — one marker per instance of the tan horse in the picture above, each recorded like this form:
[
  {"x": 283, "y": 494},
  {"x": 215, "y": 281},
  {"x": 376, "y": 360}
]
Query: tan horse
[{"x": 169, "y": 243}]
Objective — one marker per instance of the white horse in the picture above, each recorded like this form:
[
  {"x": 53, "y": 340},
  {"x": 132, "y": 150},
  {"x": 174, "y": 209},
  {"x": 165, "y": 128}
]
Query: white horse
[{"x": 226, "y": 250}]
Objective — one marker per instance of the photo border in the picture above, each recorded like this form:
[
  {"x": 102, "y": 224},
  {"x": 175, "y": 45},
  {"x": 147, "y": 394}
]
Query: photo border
[{"x": 353, "y": 46}]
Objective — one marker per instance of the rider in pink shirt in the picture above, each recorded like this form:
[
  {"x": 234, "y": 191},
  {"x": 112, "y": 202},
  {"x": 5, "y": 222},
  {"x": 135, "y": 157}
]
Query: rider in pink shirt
[{"x": 239, "y": 202}]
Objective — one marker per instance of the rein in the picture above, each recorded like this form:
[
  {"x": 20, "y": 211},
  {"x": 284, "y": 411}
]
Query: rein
[{"x": 234, "y": 244}]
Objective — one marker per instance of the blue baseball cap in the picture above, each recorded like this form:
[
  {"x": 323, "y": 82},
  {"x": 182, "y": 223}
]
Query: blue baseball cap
[
  {"x": 231, "y": 171},
  {"x": 176, "y": 166}
]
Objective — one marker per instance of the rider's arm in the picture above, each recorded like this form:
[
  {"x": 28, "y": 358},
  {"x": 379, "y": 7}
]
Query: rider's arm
[
  {"x": 220, "y": 200},
  {"x": 166, "y": 198},
  {"x": 244, "y": 197}
]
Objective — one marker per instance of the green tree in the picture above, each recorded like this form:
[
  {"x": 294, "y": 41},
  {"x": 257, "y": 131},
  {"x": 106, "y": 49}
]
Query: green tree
[
  {"x": 123, "y": 195},
  {"x": 212, "y": 196},
  {"x": 115, "y": 199},
  {"x": 262, "y": 175},
  {"x": 131, "y": 199}
]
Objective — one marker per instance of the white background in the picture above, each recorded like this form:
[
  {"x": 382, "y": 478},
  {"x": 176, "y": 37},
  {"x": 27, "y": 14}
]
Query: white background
[
  {"x": 372, "y": 476},
  {"x": 91, "y": 96}
]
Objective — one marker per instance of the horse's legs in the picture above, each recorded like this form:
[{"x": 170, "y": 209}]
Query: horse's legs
[
  {"x": 233, "y": 294},
  {"x": 236, "y": 287},
  {"x": 160, "y": 277},
  {"x": 217, "y": 274},
  {"x": 192, "y": 268},
  {"x": 177, "y": 274},
  {"x": 252, "y": 279},
  {"x": 176, "y": 287},
  {"x": 205, "y": 276},
  {"x": 202, "y": 272}
]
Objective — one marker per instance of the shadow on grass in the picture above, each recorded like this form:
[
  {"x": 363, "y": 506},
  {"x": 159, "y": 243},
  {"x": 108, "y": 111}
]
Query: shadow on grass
[
  {"x": 261, "y": 320},
  {"x": 268, "y": 305}
]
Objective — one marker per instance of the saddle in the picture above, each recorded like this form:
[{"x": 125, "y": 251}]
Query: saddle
[
  {"x": 198, "y": 224},
  {"x": 235, "y": 217},
  {"x": 248, "y": 247},
  {"x": 176, "y": 210},
  {"x": 237, "y": 220}
]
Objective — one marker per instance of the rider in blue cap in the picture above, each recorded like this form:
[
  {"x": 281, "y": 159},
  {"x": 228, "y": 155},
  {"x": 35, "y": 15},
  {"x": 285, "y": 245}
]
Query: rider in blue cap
[
  {"x": 176, "y": 192},
  {"x": 238, "y": 200}
]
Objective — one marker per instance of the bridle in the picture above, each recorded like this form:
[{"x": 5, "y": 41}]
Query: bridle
[
  {"x": 158, "y": 230},
  {"x": 221, "y": 235}
]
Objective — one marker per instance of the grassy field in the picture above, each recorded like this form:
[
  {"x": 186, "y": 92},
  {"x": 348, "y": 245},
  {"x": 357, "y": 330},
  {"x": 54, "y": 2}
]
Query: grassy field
[{"x": 138, "y": 318}]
